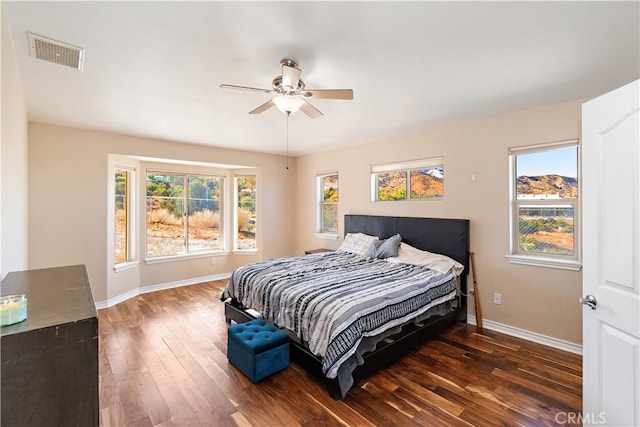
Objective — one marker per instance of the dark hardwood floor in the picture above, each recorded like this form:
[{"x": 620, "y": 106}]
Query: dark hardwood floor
[{"x": 163, "y": 363}]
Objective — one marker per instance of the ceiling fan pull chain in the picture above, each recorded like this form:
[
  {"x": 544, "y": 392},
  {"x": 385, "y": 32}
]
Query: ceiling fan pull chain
[{"x": 288, "y": 114}]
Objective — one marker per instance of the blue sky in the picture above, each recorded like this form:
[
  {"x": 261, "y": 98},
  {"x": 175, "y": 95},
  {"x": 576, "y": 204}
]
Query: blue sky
[{"x": 561, "y": 161}]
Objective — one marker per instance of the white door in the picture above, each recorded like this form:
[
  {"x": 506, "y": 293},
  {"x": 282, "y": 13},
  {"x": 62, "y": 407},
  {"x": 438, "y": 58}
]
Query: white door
[{"x": 611, "y": 230}]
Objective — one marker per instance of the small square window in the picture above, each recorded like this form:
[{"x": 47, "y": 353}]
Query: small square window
[{"x": 410, "y": 180}]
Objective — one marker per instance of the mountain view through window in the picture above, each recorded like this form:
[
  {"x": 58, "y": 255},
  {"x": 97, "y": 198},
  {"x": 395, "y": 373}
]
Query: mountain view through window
[{"x": 547, "y": 193}]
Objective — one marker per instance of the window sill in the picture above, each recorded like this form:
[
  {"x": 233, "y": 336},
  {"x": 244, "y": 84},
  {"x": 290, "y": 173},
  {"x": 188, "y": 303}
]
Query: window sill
[
  {"x": 328, "y": 236},
  {"x": 412, "y": 199},
  {"x": 125, "y": 266},
  {"x": 245, "y": 252},
  {"x": 545, "y": 262},
  {"x": 159, "y": 260}
]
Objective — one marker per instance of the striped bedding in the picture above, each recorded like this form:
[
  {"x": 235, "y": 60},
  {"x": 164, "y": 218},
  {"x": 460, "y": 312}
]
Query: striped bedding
[{"x": 332, "y": 300}]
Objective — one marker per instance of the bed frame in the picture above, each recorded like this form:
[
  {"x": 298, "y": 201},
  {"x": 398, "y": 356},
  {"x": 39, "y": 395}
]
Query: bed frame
[{"x": 444, "y": 236}]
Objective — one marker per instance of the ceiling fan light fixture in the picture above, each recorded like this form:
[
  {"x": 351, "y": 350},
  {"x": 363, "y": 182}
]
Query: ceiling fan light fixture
[{"x": 288, "y": 103}]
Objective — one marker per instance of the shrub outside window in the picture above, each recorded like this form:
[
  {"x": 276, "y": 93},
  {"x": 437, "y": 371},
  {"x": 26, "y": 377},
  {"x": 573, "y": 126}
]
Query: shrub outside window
[
  {"x": 122, "y": 216},
  {"x": 183, "y": 219},
  {"x": 545, "y": 204},
  {"x": 328, "y": 203},
  {"x": 246, "y": 219},
  {"x": 411, "y": 180}
]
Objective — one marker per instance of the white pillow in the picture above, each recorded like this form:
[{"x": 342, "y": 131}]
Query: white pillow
[
  {"x": 357, "y": 243},
  {"x": 407, "y": 254}
]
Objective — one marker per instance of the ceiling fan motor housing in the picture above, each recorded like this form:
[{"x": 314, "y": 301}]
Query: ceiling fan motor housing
[{"x": 278, "y": 87}]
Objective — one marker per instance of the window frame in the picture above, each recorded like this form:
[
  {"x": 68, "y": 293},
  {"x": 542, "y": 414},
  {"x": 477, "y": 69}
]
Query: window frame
[
  {"x": 407, "y": 167},
  {"x": 236, "y": 203},
  {"x": 320, "y": 203},
  {"x": 130, "y": 214},
  {"x": 186, "y": 197},
  {"x": 517, "y": 256}
]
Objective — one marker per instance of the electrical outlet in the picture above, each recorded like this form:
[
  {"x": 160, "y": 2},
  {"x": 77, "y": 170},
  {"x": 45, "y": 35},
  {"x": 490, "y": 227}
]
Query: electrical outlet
[
  {"x": 213, "y": 261},
  {"x": 497, "y": 298}
]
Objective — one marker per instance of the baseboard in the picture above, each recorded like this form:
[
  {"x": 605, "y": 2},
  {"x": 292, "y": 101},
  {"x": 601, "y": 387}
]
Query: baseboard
[
  {"x": 527, "y": 335},
  {"x": 153, "y": 288}
]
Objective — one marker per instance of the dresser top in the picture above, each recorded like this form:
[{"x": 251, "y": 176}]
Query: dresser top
[{"x": 55, "y": 296}]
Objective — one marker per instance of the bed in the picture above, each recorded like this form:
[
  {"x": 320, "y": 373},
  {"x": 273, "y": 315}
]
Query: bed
[{"x": 408, "y": 304}]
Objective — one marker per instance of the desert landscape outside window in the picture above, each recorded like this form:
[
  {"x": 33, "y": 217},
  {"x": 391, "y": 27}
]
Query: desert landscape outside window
[
  {"x": 246, "y": 219},
  {"x": 121, "y": 229},
  {"x": 328, "y": 196},
  {"x": 545, "y": 200},
  {"x": 183, "y": 213},
  {"x": 411, "y": 180}
]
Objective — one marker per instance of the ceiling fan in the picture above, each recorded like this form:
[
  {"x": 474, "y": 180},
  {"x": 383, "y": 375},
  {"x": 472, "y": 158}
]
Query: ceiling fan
[{"x": 291, "y": 94}]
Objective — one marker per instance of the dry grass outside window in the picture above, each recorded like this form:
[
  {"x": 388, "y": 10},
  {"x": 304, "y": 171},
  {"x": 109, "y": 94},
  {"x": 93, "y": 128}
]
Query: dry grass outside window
[
  {"x": 244, "y": 220},
  {"x": 205, "y": 218},
  {"x": 163, "y": 216}
]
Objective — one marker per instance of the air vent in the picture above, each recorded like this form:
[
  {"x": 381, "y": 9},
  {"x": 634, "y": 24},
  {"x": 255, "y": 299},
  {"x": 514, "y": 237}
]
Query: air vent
[{"x": 56, "y": 52}]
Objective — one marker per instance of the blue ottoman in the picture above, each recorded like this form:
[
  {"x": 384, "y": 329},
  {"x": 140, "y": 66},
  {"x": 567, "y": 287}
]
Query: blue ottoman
[{"x": 258, "y": 349}]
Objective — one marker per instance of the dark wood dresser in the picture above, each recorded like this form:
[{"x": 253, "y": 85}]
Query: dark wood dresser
[{"x": 49, "y": 362}]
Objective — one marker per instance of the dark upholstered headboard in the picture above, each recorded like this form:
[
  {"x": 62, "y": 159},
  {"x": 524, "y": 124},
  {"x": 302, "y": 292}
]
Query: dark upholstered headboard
[{"x": 448, "y": 237}]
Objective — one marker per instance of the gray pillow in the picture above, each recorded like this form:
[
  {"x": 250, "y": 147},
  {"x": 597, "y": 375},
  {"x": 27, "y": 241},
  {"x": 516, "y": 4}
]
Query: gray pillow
[{"x": 385, "y": 248}]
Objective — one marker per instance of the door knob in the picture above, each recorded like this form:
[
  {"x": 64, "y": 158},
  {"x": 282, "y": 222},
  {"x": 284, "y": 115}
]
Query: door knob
[{"x": 589, "y": 300}]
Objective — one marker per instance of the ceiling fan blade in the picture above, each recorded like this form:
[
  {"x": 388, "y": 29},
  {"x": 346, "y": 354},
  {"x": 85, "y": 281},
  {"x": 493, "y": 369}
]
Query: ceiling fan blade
[
  {"x": 263, "y": 107},
  {"x": 252, "y": 89},
  {"x": 290, "y": 78},
  {"x": 310, "y": 110},
  {"x": 329, "y": 93}
]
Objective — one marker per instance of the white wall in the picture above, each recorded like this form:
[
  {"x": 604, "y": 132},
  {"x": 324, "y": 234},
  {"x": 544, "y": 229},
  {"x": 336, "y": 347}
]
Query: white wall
[
  {"x": 13, "y": 161},
  {"x": 536, "y": 299},
  {"x": 70, "y": 172}
]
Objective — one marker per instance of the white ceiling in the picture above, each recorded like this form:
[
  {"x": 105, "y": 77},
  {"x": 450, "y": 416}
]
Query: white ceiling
[{"x": 153, "y": 69}]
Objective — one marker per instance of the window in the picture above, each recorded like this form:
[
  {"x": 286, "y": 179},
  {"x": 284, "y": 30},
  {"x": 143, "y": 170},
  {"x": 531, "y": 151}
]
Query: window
[
  {"x": 246, "y": 212},
  {"x": 123, "y": 248},
  {"x": 183, "y": 214},
  {"x": 545, "y": 205},
  {"x": 328, "y": 203},
  {"x": 413, "y": 180}
]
